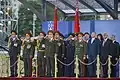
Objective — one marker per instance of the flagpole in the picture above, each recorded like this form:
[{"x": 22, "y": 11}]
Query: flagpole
[
  {"x": 76, "y": 21},
  {"x": 55, "y": 17}
]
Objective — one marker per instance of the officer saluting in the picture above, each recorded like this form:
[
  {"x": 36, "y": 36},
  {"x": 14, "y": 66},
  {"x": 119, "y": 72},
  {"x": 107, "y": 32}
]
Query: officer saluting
[
  {"x": 14, "y": 45},
  {"x": 49, "y": 53},
  {"x": 59, "y": 50},
  {"x": 80, "y": 50},
  {"x": 28, "y": 53},
  {"x": 41, "y": 54}
]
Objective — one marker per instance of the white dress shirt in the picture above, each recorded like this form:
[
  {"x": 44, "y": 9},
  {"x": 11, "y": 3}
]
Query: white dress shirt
[{"x": 92, "y": 40}]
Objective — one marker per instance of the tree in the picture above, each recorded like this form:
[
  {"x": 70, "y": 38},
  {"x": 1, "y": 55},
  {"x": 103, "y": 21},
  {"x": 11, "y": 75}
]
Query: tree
[{"x": 26, "y": 17}]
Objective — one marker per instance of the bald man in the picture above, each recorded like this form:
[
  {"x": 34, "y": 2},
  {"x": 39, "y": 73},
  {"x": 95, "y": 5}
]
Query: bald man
[{"x": 105, "y": 51}]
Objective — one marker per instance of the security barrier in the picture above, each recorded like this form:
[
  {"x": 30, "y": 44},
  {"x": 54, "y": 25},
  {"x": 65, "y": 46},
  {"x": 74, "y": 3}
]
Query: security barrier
[{"x": 5, "y": 65}]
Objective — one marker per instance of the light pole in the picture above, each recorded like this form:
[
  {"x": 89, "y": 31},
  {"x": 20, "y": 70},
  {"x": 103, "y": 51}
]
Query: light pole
[{"x": 34, "y": 19}]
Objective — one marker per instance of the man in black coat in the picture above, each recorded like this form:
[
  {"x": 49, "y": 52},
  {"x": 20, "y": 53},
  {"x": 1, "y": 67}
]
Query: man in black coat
[
  {"x": 114, "y": 54},
  {"x": 14, "y": 45},
  {"x": 69, "y": 55},
  {"x": 105, "y": 51}
]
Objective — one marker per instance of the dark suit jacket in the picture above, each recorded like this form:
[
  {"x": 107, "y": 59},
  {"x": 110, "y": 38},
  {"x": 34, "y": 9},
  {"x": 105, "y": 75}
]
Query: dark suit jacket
[
  {"x": 14, "y": 50},
  {"x": 27, "y": 52},
  {"x": 114, "y": 49},
  {"x": 93, "y": 48},
  {"x": 106, "y": 49},
  {"x": 49, "y": 48},
  {"x": 59, "y": 48}
]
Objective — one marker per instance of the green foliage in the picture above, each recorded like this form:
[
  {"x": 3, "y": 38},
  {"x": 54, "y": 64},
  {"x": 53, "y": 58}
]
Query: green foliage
[{"x": 26, "y": 17}]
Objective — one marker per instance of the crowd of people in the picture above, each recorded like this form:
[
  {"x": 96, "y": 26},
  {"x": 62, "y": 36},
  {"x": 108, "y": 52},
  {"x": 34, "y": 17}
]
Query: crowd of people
[{"x": 86, "y": 46}]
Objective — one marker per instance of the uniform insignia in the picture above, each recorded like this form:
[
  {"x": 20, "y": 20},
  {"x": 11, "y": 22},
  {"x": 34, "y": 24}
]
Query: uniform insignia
[
  {"x": 28, "y": 46},
  {"x": 59, "y": 44},
  {"x": 13, "y": 39},
  {"x": 81, "y": 45},
  {"x": 43, "y": 45},
  {"x": 15, "y": 44}
]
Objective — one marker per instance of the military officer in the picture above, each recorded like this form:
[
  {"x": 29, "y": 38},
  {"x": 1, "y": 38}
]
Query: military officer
[
  {"x": 80, "y": 50},
  {"x": 86, "y": 39},
  {"x": 59, "y": 50},
  {"x": 49, "y": 53},
  {"x": 41, "y": 54},
  {"x": 86, "y": 36},
  {"x": 69, "y": 55},
  {"x": 14, "y": 45},
  {"x": 28, "y": 53}
]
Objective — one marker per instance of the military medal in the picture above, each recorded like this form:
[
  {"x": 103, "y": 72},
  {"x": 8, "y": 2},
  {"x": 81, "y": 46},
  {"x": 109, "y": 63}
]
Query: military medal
[
  {"x": 43, "y": 45},
  {"x": 81, "y": 45},
  {"x": 13, "y": 39},
  {"x": 28, "y": 46},
  {"x": 15, "y": 44},
  {"x": 59, "y": 44}
]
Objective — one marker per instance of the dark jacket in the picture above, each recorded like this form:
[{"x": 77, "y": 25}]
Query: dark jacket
[
  {"x": 105, "y": 49},
  {"x": 114, "y": 49},
  {"x": 14, "y": 46},
  {"x": 93, "y": 49},
  {"x": 49, "y": 48},
  {"x": 59, "y": 48},
  {"x": 28, "y": 49}
]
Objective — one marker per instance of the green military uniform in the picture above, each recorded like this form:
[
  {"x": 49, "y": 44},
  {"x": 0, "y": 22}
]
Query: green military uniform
[
  {"x": 28, "y": 53},
  {"x": 40, "y": 57},
  {"x": 80, "y": 50},
  {"x": 59, "y": 50},
  {"x": 49, "y": 53}
]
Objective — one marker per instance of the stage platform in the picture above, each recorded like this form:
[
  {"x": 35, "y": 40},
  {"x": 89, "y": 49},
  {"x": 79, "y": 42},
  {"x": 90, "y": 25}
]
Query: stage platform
[{"x": 61, "y": 78}]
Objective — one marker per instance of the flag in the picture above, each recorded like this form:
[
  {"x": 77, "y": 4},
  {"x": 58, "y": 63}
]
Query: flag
[
  {"x": 55, "y": 19},
  {"x": 76, "y": 22}
]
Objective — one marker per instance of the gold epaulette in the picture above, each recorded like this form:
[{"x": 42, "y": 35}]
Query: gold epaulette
[
  {"x": 38, "y": 44},
  {"x": 41, "y": 50},
  {"x": 23, "y": 43}
]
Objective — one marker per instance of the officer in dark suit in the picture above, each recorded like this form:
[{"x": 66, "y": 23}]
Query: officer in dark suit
[
  {"x": 49, "y": 53},
  {"x": 92, "y": 52},
  {"x": 59, "y": 50},
  {"x": 41, "y": 54},
  {"x": 80, "y": 50},
  {"x": 105, "y": 51},
  {"x": 14, "y": 45},
  {"x": 28, "y": 54},
  {"x": 86, "y": 39},
  {"x": 69, "y": 55},
  {"x": 115, "y": 55}
]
